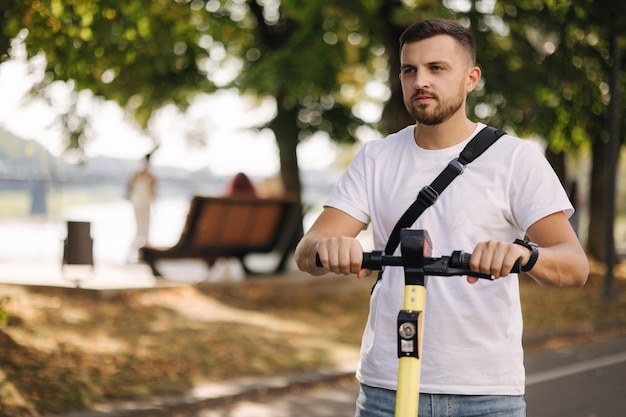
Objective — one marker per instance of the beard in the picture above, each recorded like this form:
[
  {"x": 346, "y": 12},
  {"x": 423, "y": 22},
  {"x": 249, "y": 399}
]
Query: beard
[{"x": 443, "y": 110}]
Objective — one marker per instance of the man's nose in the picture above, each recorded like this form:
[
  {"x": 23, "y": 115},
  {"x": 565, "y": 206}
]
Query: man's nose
[{"x": 421, "y": 80}]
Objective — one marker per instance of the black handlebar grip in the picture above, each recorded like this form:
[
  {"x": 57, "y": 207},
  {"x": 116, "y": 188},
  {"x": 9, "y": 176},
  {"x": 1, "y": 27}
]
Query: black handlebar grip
[
  {"x": 375, "y": 259},
  {"x": 371, "y": 260},
  {"x": 460, "y": 259}
]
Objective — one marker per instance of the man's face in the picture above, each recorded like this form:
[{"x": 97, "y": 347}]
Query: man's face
[{"x": 434, "y": 77}]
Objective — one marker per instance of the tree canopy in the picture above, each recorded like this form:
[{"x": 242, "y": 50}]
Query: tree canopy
[
  {"x": 146, "y": 54},
  {"x": 546, "y": 64},
  {"x": 554, "y": 68}
]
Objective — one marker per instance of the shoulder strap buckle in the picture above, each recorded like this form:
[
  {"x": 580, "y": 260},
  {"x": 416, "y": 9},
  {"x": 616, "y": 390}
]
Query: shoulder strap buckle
[
  {"x": 457, "y": 166},
  {"x": 428, "y": 195}
]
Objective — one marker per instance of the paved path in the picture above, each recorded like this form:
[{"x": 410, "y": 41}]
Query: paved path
[
  {"x": 31, "y": 254},
  {"x": 31, "y": 249},
  {"x": 101, "y": 277},
  {"x": 334, "y": 402},
  {"x": 584, "y": 380}
]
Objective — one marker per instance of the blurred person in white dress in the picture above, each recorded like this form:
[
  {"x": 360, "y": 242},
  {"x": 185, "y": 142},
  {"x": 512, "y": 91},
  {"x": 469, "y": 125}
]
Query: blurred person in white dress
[{"x": 141, "y": 192}]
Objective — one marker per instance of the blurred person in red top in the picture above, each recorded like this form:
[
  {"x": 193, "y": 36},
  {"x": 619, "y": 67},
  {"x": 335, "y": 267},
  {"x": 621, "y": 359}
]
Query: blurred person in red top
[
  {"x": 229, "y": 268},
  {"x": 240, "y": 185}
]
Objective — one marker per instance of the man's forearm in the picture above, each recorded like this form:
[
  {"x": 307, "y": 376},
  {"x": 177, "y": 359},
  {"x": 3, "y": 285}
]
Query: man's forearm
[
  {"x": 560, "y": 266},
  {"x": 305, "y": 254}
]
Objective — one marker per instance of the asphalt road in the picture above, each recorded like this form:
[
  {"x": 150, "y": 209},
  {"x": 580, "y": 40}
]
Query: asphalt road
[{"x": 585, "y": 380}]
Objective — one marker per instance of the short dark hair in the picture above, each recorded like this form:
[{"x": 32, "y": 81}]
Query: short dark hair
[{"x": 433, "y": 27}]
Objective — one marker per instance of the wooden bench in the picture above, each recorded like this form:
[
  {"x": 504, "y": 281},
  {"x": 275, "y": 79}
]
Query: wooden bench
[{"x": 218, "y": 227}]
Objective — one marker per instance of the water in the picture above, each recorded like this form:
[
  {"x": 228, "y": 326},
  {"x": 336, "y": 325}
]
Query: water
[
  {"x": 112, "y": 230},
  {"x": 31, "y": 249}
]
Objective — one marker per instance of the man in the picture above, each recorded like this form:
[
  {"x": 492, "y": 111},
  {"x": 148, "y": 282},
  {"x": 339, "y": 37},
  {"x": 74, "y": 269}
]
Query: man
[{"x": 472, "y": 361}]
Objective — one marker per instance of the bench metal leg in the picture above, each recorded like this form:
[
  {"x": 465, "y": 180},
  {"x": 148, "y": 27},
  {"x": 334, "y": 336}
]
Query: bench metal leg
[{"x": 154, "y": 269}]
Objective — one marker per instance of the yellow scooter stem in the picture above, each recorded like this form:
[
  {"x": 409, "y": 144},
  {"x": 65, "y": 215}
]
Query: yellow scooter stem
[{"x": 407, "y": 396}]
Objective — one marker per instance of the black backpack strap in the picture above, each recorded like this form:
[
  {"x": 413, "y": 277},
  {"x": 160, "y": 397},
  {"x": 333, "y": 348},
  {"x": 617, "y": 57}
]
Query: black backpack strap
[{"x": 429, "y": 194}]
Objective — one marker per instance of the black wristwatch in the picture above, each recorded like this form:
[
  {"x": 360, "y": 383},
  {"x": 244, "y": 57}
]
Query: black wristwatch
[{"x": 534, "y": 254}]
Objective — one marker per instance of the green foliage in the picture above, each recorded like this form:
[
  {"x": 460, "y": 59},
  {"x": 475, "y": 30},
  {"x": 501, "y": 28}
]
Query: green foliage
[
  {"x": 142, "y": 54},
  {"x": 146, "y": 54},
  {"x": 556, "y": 68},
  {"x": 4, "y": 314},
  {"x": 545, "y": 63},
  {"x": 550, "y": 75}
]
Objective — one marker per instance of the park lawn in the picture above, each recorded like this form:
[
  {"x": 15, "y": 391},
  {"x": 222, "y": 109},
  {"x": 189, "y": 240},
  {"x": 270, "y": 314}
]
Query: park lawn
[{"x": 67, "y": 349}]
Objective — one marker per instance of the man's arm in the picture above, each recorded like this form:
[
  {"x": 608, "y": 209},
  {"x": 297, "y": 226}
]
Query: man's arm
[
  {"x": 333, "y": 237},
  {"x": 562, "y": 262}
]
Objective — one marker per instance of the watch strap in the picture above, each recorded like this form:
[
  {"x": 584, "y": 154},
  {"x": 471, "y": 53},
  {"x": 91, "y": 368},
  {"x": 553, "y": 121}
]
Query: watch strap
[{"x": 534, "y": 254}]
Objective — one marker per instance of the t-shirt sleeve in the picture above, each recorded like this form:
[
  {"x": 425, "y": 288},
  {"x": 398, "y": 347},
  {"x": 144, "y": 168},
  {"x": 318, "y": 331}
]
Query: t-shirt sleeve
[
  {"x": 538, "y": 192},
  {"x": 350, "y": 194}
]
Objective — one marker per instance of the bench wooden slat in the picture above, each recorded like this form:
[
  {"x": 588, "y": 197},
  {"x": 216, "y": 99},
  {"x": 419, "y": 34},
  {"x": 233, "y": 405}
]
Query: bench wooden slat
[{"x": 233, "y": 227}]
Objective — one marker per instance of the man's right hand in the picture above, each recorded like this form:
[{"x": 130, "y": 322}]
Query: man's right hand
[
  {"x": 342, "y": 255},
  {"x": 333, "y": 238}
]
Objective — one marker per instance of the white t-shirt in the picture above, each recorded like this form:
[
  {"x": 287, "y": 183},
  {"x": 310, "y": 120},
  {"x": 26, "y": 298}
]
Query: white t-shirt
[{"x": 472, "y": 332}]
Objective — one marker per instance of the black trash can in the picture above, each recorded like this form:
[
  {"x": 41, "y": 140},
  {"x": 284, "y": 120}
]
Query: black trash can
[{"x": 78, "y": 246}]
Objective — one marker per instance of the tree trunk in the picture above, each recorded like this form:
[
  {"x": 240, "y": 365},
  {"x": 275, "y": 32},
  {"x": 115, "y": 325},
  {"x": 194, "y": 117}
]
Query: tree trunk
[
  {"x": 597, "y": 193},
  {"x": 394, "y": 116},
  {"x": 289, "y": 169},
  {"x": 557, "y": 161},
  {"x": 286, "y": 131}
]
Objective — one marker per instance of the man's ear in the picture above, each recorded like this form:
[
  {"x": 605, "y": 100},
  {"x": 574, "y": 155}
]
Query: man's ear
[{"x": 473, "y": 78}]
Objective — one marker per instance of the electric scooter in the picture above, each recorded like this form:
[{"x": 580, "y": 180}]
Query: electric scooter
[{"x": 416, "y": 248}]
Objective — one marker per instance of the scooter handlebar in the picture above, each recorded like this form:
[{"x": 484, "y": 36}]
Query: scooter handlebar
[{"x": 455, "y": 264}]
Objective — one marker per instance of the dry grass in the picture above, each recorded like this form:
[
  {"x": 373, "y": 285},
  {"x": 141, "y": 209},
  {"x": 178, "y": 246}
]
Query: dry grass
[
  {"x": 69, "y": 349},
  {"x": 574, "y": 313}
]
